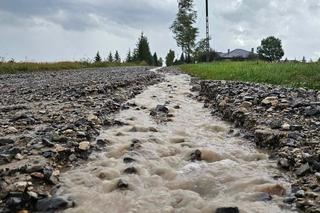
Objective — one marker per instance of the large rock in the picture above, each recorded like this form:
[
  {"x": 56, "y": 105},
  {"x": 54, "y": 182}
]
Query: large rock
[
  {"x": 84, "y": 146},
  {"x": 272, "y": 100},
  {"x": 267, "y": 138},
  {"x": 55, "y": 203},
  {"x": 5, "y": 141},
  {"x": 303, "y": 169}
]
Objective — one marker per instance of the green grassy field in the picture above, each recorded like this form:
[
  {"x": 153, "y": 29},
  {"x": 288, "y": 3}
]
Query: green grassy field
[
  {"x": 12, "y": 67},
  {"x": 288, "y": 74}
]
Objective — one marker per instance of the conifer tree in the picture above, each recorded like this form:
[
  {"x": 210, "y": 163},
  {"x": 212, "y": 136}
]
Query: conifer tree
[
  {"x": 155, "y": 59},
  {"x": 117, "y": 57},
  {"x": 97, "y": 58},
  {"x": 129, "y": 57},
  {"x": 110, "y": 58},
  {"x": 142, "y": 52}
]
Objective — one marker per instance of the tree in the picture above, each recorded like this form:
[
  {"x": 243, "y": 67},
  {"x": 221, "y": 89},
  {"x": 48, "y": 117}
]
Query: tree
[
  {"x": 129, "y": 57},
  {"x": 201, "y": 52},
  {"x": 117, "y": 57},
  {"x": 184, "y": 32},
  {"x": 170, "y": 58},
  {"x": 304, "y": 60},
  {"x": 182, "y": 59},
  {"x": 319, "y": 60},
  {"x": 142, "y": 51},
  {"x": 160, "y": 62},
  {"x": 271, "y": 49},
  {"x": 155, "y": 59},
  {"x": 110, "y": 57},
  {"x": 97, "y": 58}
]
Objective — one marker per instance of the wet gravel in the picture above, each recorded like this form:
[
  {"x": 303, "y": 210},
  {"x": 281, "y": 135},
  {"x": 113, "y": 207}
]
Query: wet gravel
[{"x": 49, "y": 122}]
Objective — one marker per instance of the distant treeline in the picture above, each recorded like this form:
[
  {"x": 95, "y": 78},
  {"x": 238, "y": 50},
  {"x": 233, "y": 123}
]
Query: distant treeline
[{"x": 140, "y": 54}]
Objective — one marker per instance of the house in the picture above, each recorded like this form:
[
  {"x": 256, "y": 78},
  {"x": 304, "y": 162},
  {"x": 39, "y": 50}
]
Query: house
[{"x": 237, "y": 54}]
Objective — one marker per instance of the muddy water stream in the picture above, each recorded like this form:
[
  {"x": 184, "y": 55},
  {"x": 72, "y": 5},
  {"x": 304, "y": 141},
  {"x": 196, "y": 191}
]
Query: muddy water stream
[{"x": 147, "y": 168}]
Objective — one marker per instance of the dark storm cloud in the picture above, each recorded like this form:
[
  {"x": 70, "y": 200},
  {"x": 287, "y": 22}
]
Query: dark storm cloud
[
  {"x": 82, "y": 15},
  {"x": 78, "y": 28}
]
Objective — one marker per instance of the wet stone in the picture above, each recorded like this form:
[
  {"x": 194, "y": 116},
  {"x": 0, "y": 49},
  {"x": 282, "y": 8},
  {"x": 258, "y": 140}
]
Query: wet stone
[
  {"x": 289, "y": 200},
  {"x": 196, "y": 155},
  {"x": 300, "y": 194},
  {"x": 283, "y": 163},
  {"x": 130, "y": 170},
  {"x": 122, "y": 185},
  {"x": 228, "y": 210},
  {"x": 47, "y": 142},
  {"x": 5, "y": 141},
  {"x": 128, "y": 160},
  {"x": 102, "y": 143},
  {"x": 303, "y": 169},
  {"x": 84, "y": 146},
  {"x": 160, "y": 109},
  {"x": 54, "y": 204}
]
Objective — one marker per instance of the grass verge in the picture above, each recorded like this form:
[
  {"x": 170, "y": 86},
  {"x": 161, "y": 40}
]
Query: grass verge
[
  {"x": 288, "y": 74},
  {"x": 20, "y": 67}
]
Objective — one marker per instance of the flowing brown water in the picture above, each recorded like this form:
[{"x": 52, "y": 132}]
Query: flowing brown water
[{"x": 232, "y": 172}]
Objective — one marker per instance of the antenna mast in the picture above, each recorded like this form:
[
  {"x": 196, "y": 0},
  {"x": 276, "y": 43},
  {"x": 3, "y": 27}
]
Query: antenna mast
[{"x": 207, "y": 30}]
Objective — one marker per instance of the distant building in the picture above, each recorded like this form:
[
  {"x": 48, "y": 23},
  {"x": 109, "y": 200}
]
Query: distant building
[{"x": 237, "y": 54}]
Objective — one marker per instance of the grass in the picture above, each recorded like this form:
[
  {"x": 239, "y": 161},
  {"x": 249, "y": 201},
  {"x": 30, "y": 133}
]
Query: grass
[
  {"x": 13, "y": 67},
  {"x": 289, "y": 74}
]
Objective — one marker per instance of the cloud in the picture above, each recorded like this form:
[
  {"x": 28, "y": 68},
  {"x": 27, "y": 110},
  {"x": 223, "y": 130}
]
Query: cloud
[
  {"x": 73, "y": 29},
  {"x": 86, "y": 15}
]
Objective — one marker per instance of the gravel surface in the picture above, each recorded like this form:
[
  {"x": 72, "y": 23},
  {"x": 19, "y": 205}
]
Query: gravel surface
[{"x": 49, "y": 122}]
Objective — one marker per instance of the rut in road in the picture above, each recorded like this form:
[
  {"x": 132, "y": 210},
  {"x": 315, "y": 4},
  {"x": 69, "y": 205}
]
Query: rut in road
[{"x": 156, "y": 167}]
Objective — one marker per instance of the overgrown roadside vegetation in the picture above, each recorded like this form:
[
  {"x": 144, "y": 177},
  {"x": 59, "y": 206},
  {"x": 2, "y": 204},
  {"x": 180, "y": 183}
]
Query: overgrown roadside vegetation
[
  {"x": 287, "y": 73},
  {"x": 18, "y": 67}
]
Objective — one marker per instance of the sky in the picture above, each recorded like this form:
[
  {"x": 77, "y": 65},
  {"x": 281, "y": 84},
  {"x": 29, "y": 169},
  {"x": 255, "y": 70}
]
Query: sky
[{"x": 59, "y": 30}]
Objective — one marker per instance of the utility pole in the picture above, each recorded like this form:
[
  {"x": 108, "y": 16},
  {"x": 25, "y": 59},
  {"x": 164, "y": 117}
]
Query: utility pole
[{"x": 207, "y": 30}]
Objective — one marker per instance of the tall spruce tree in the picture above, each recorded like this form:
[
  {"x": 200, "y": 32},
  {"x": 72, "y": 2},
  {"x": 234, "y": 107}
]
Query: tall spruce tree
[
  {"x": 117, "y": 57},
  {"x": 129, "y": 56},
  {"x": 142, "y": 52},
  {"x": 97, "y": 58},
  {"x": 110, "y": 57},
  {"x": 155, "y": 59},
  {"x": 184, "y": 32}
]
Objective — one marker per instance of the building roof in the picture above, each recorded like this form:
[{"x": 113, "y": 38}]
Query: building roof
[{"x": 237, "y": 53}]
